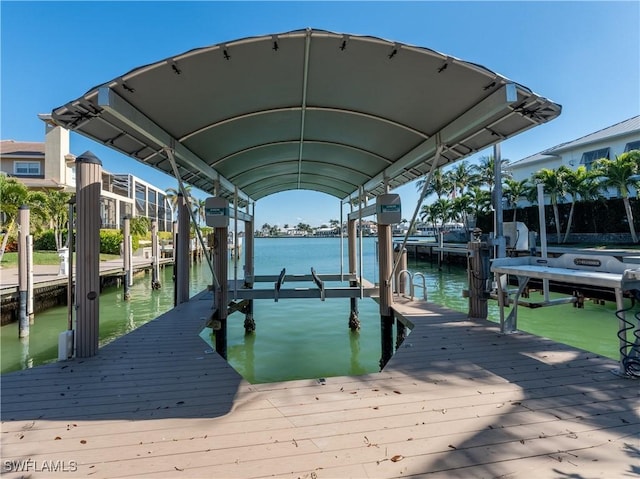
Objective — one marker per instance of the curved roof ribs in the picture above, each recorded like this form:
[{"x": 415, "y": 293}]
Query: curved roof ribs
[{"x": 470, "y": 109}]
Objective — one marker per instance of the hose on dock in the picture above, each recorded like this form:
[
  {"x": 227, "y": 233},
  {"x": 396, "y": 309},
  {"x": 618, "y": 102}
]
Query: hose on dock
[{"x": 630, "y": 350}]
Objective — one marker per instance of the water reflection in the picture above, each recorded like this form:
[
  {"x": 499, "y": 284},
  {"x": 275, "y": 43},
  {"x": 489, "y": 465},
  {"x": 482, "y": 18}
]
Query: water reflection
[
  {"x": 26, "y": 361},
  {"x": 249, "y": 357},
  {"x": 356, "y": 368}
]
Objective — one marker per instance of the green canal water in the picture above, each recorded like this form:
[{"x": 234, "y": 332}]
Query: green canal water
[{"x": 304, "y": 338}]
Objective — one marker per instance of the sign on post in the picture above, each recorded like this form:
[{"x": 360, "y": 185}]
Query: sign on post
[{"x": 216, "y": 212}]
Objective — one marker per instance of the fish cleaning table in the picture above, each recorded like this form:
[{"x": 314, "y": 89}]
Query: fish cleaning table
[{"x": 592, "y": 270}]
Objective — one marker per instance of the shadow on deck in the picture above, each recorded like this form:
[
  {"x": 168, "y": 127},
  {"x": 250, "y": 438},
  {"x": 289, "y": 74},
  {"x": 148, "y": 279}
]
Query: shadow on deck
[{"x": 457, "y": 400}]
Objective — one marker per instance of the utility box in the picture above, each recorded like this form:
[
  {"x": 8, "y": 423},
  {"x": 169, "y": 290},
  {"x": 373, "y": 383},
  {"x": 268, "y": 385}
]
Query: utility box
[
  {"x": 517, "y": 235},
  {"x": 389, "y": 209},
  {"x": 216, "y": 212}
]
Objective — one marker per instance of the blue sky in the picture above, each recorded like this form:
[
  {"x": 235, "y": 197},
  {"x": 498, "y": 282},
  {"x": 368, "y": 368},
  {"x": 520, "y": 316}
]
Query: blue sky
[{"x": 583, "y": 55}]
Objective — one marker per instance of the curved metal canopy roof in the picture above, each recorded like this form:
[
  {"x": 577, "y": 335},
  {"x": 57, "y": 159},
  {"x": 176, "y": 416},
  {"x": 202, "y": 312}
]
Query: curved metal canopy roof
[{"x": 306, "y": 109}]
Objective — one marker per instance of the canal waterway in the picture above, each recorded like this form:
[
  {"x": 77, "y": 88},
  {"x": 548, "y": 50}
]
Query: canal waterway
[{"x": 304, "y": 338}]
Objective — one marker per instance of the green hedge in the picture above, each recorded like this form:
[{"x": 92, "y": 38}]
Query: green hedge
[{"x": 110, "y": 241}]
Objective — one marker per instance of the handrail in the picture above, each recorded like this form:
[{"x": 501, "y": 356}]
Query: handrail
[
  {"x": 423, "y": 286},
  {"x": 404, "y": 292}
]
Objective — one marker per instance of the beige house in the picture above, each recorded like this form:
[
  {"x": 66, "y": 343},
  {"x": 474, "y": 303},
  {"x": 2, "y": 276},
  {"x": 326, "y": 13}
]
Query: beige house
[{"x": 48, "y": 165}]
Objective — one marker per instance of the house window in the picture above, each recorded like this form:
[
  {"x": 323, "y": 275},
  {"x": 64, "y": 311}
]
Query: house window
[
  {"x": 26, "y": 168},
  {"x": 634, "y": 145},
  {"x": 589, "y": 157}
]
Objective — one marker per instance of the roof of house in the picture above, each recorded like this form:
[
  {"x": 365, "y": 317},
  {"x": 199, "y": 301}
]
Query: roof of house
[
  {"x": 630, "y": 126},
  {"x": 21, "y": 148}
]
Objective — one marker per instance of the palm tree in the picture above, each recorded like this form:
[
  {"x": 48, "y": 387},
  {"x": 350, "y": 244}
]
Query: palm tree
[
  {"x": 172, "y": 196},
  {"x": 618, "y": 174},
  {"x": 13, "y": 194},
  {"x": 555, "y": 187},
  {"x": 462, "y": 207},
  {"x": 199, "y": 210},
  {"x": 439, "y": 184},
  {"x": 486, "y": 174},
  {"x": 513, "y": 191},
  {"x": 461, "y": 177},
  {"x": 480, "y": 200},
  {"x": 573, "y": 180},
  {"x": 591, "y": 190}
]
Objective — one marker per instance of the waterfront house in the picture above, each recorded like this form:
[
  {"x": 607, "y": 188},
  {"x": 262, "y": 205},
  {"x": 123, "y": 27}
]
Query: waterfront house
[{"x": 49, "y": 165}]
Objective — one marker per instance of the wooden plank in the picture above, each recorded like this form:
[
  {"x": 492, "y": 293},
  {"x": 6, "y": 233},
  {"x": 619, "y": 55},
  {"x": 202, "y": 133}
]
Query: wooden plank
[{"x": 483, "y": 395}]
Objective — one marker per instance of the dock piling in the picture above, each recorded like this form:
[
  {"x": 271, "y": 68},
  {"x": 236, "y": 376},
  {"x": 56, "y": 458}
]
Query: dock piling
[
  {"x": 354, "y": 321},
  {"x": 155, "y": 269},
  {"x": 181, "y": 252},
  {"x": 221, "y": 251},
  {"x": 23, "y": 267},
  {"x": 126, "y": 256},
  {"x": 385, "y": 254},
  {"x": 477, "y": 276},
  {"x": 88, "y": 188}
]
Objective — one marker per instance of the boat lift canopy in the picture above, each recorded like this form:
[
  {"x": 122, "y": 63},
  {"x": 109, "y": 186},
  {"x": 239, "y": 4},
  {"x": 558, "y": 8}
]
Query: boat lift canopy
[{"x": 307, "y": 109}]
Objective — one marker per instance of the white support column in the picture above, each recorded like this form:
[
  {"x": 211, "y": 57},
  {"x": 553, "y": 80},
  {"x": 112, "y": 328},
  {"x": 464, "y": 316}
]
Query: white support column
[{"x": 23, "y": 286}]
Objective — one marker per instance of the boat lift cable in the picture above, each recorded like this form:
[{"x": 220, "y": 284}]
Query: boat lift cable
[
  {"x": 425, "y": 187},
  {"x": 172, "y": 160}
]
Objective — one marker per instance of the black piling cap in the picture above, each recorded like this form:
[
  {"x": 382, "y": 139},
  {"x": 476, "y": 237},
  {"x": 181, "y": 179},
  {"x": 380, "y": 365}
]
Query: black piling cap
[{"x": 88, "y": 157}]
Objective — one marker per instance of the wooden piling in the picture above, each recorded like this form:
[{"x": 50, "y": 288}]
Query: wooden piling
[
  {"x": 88, "y": 188},
  {"x": 221, "y": 266},
  {"x": 23, "y": 280},
  {"x": 155, "y": 251},
  {"x": 354, "y": 321},
  {"x": 477, "y": 276},
  {"x": 30, "y": 310},
  {"x": 126, "y": 256},
  {"x": 385, "y": 255},
  {"x": 71, "y": 241},
  {"x": 181, "y": 250},
  {"x": 249, "y": 321}
]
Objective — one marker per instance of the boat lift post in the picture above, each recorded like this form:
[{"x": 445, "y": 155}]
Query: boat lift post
[{"x": 249, "y": 321}]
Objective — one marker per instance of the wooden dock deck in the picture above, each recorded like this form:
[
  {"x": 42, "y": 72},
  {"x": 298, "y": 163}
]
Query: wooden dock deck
[
  {"x": 46, "y": 276},
  {"x": 458, "y": 400}
]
